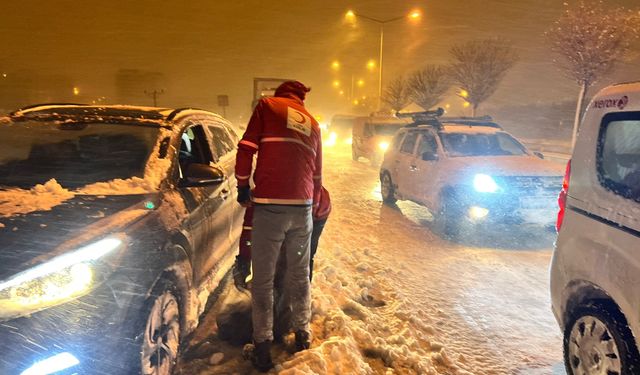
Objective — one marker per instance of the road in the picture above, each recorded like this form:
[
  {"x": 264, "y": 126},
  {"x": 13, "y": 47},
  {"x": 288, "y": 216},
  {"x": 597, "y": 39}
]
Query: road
[{"x": 479, "y": 305}]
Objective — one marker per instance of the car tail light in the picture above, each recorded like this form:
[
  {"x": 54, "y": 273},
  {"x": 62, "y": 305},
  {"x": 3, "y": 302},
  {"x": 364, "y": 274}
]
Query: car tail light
[{"x": 562, "y": 197}]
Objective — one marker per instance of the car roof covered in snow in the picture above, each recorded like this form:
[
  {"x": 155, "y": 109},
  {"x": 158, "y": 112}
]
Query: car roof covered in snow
[{"x": 162, "y": 117}]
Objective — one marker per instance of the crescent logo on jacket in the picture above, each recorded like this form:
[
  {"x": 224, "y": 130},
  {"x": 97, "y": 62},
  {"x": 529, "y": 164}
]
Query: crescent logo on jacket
[{"x": 288, "y": 143}]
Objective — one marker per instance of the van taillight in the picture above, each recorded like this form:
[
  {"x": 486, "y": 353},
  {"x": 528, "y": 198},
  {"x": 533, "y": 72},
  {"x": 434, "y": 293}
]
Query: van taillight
[{"x": 562, "y": 197}]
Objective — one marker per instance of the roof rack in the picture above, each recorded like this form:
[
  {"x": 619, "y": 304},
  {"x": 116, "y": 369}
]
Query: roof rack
[
  {"x": 429, "y": 118},
  {"x": 486, "y": 121}
]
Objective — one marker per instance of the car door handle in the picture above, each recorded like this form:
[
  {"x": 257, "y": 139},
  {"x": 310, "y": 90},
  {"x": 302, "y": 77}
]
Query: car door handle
[{"x": 413, "y": 168}]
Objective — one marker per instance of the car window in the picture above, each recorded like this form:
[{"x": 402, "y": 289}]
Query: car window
[
  {"x": 481, "y": 144},
  {"x": 427, "y": 144},
  {"x": 619, "y": 154},
  {"x": 409, "y": 143},
  {"x": 74, "y": 154},
  {"x": 222, "y": 141},
  {"x": 395, "y": 145},
  {"x": 194, "y": 147}
]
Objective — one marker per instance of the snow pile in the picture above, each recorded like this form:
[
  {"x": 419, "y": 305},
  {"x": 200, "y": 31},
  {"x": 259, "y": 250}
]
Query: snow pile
[
  {"x": 42, "y": 197},
  {"x": 355, "y": 329}
]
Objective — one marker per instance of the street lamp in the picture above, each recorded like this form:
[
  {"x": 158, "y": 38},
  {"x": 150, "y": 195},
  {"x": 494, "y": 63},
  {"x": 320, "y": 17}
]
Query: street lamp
[{"x": 351, "y": 16}]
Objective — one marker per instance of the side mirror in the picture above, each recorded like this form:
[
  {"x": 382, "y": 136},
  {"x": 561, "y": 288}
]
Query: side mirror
[
  {"x": 202, "y": 175},
  {"x": 539, "y": 154},
  {"x": 429, "y": 156}
]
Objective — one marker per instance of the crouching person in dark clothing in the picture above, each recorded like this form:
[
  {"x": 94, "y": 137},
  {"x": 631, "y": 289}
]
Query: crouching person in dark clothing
[{"x": 288, "y": 176}]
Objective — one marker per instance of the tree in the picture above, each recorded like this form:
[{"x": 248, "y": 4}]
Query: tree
[
  {"x": 428, "y": 85},
  {"x": 479, "y": 66},
  {"x": 396, "y": 94},
  {"x": 589, "y": 39}
]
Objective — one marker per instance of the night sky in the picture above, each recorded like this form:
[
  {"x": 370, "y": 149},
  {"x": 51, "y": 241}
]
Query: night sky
[{"x": 206, "y": 48}]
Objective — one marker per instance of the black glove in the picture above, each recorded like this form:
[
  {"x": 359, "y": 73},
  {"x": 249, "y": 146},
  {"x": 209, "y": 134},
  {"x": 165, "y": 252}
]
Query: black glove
[{"x": 244, "y": 194}]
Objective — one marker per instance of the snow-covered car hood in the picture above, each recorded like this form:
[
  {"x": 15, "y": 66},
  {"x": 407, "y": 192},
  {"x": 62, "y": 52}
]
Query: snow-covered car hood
[
  {"x": 29, "y": 239},
  {"x": 525, "y": 165}
]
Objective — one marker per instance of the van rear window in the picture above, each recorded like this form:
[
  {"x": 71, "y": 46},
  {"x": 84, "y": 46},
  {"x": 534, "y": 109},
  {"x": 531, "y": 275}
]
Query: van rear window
[{"x": 619, "y": 154}]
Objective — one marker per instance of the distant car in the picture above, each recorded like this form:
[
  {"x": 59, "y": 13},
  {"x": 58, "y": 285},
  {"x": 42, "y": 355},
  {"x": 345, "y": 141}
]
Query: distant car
[
  {"x": 115, "y": 225},
  {"x": 372, "y": 136},
  {"x": 595, "y": 269},
  {"x": 469, "y": 171}
]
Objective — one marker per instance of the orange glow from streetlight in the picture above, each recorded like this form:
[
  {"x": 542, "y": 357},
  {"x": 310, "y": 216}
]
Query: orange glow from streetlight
[
  {"x": 360, "y": 83},
  {"x": 371, "y": 64},
  {"x": 335, "y": 65},
  {"x": 356, "y": 102},
  {"x": 76, "y": 91},
  {"x": 336, "y": 83},
  {"x": 341, "y": 92},
  {"x": 350, "y": 15},
  {"x": 415, "y": 14},
  {"x": 464, "y": 93},
  {"x": 466, "y": 104}
]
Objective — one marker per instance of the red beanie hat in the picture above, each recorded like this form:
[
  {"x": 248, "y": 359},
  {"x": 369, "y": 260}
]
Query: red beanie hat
[{"x": 292, "y": 87}]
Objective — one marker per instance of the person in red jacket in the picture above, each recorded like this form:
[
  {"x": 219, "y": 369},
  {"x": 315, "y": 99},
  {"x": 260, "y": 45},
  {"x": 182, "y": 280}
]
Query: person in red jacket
[
  {"x": 242, "y": 266},
  {"x": 287, "y": 178}
]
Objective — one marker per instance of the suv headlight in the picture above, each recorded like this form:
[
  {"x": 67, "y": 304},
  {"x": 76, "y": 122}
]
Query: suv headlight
[
  {"x": 56, "y": 281},
  {"x": 483, "y": 183},
  {"x": 384, "y": 146}
]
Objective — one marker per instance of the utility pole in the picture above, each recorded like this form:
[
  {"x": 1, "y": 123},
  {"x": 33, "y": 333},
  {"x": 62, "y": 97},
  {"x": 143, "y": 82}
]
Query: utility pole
[{"x": 154, "y": 94}]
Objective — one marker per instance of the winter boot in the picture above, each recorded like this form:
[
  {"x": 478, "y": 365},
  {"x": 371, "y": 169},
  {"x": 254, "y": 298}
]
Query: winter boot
[
  {"x": 303, "y": 341},
  {"x": 262, "y": 356},
  {"x": 241, "y": 270}
]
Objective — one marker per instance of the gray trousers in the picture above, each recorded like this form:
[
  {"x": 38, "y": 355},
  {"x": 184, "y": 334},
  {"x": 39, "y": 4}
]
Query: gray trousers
[{"x": 273, "y": 226}]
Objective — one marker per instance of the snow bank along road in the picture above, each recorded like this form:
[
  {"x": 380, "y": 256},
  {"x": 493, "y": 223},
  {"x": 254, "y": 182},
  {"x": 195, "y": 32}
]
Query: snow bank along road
[{"x": 390, "y": 296}]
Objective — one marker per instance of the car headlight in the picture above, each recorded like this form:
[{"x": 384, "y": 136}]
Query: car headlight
[
  {"x": 56, "y": 281},
  {"x": 384, "y": 145},
  {"x": 483, "y": 183}
]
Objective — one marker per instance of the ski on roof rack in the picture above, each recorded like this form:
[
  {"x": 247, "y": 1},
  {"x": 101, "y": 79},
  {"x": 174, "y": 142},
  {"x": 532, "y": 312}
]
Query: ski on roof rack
[{"x": 423, "y": 118}]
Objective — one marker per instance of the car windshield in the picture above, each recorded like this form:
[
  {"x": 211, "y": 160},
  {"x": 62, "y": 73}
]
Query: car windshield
[
  {"x": 480, "y": 144},
  {"x": 386, "y": 130},
  {"x": 73, "y": 154}
]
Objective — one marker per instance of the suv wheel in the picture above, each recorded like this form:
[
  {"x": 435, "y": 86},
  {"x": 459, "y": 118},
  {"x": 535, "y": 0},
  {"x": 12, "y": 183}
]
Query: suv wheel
[
  {"x": 387, "y": 190},
  {"x": 597, "y": 340},
  {"x": 161, "y": 336}
]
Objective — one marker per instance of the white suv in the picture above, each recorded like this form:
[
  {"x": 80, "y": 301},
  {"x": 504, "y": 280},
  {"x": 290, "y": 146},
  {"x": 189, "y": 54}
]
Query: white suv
[
  {"x": 469, "y": 171},
  {"x": 595, "y": 271}
]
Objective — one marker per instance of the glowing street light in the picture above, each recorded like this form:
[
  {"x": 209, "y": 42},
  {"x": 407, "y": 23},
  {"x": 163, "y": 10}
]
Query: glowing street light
[
  {"x": 341, "y": 93},
  {"x": 415, "y": 14},
  {"x": 371, "y": 65},
  {"x": 4, "y": 75},
  {"x": 336, "y": 83},
  {"x": 335, "y": 65},
  {"x": 351, "y": 16},
  {"x": 360, "y": 83},
  {"x": 76, "y": 91}
]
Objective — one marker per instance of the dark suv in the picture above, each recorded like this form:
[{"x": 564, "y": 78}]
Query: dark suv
[{"x": 116, "y": 223}]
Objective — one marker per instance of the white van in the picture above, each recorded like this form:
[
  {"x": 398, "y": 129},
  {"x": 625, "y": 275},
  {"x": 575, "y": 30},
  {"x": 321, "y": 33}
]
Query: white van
[{"x": 595, "y": 271}]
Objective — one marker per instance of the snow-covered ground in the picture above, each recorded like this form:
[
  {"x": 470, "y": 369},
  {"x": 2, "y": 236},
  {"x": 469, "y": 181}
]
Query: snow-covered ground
[{"x": 389, "y": 296}]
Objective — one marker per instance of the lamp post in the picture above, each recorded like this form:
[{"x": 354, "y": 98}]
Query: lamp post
[{"x": 351, "y": 16}]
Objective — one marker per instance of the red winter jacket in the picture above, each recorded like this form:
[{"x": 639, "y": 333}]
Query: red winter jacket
[{"x": 287, "y": 140}]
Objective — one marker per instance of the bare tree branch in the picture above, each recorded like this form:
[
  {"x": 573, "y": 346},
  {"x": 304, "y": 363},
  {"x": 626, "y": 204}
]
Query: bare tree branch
[
  {"x": 427, "y": 86},
  {"x": 589, "y": 38},
  {"x": 396, "y": 94},
  {"x": 479, "y": 66}
]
